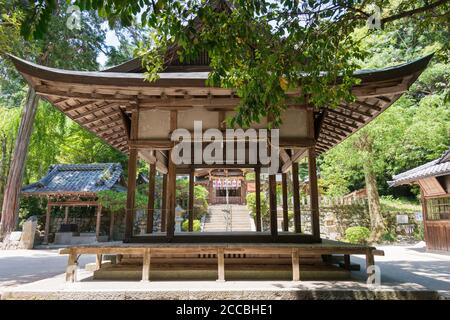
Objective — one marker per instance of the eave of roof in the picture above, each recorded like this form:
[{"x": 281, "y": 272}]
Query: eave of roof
[{"x": 436, "y": 168}]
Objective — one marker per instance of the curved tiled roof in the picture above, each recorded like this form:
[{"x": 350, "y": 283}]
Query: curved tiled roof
[
  {"x": 435, "y": 168},
  {"x": 78, "y": 178}
]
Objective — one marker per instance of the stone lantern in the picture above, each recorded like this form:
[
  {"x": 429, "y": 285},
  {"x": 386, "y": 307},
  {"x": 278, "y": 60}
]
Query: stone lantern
[{"x": 179, "y": 218}]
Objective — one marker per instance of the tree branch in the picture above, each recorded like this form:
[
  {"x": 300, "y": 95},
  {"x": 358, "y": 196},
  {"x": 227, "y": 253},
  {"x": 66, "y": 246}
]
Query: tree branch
[{"x": 412, "y": 12}]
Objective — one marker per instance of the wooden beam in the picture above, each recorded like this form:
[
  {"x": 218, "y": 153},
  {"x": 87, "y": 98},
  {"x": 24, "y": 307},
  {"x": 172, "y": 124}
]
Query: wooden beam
[
  {"x": 294, "y": 158},
  {"x": 346, "y": 116},
  {"x": 151, "y": 197},
  {"x": 339, "y": 124},
  {"x": 78, "y": 106},
  {"x": 191, "y": 199},
  {"x": 171, "y": 184},
  {"x": 356, "y": 110},
  {"x": 146, "y": 262},
  {"x": 314, "y": 193},
  {"x": 47, "y": 224},
  {"x": 132, "y": 168},
  {"x": 273, "y": 205},
  {"x": 102, "y": 107},
  {"x": 258, "y": 198},
  {"x": 370, "y": 106},
  {"x": 285, "y": 202},
  {"x": 296, "y": 198},
  {"x": 163, "y": 203},
  {"x": 221, "y": 264},
  {"x": 51, "y": 92},
  {"x": 112, "y": 115},
  {"x": 295, "y": 265}
]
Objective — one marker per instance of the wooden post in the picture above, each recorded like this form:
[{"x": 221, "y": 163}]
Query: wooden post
[
  {"x": 98, "y": 261},
  {"x": 47, "y": 224},
  {"x": 273, "y": 205},
  {"x": 370, "y": 261},
  {"x": 258, "y": 198},
  {"x": 191, "y": 200},
  {"x": 423, "y": 201},
  {"x": 10, "y": 207},
  {"x": 146, "y": 265},
  {"x": 285, "y": 202},
  {"x": 164, "y": 203},
  {"x": 71, "y": 270},
  {"x": 295, "y": 265},
  {"x": 111, "y": 226},
  {"x": 221, "y": 264},
  {"x": 347, "y": 262},
  {"x": 314, "y": 194},
  {"x": 66, "y": 215},
  {"x": 98, "y": 223},
  {"x": 132, "y": 164},
  {"x": 171, "y": 184},
  {"x": 296, "y": 198},
  {"x": 151, "y": 197}
]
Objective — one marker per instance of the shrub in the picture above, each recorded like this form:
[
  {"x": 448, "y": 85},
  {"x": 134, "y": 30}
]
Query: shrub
[
  {"x": 197, "y": 225},
  {"x": 357, "y": 235}
]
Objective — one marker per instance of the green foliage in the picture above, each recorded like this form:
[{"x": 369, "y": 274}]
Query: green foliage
[
  {"x": 200, "y": 197},
  {"x": 115, "y": 202},
  {"x": 357, "y": 235},
  {"x": 197, "y": 225},
  {"x": 251, "y": 204}
]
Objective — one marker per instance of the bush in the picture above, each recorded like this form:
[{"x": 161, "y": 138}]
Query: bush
[
  {"x": 357, "y": 235},
  {"x": 197, "y": 225}
]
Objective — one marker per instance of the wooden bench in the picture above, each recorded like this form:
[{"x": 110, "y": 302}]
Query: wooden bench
[{"x": 327, "y": 247}]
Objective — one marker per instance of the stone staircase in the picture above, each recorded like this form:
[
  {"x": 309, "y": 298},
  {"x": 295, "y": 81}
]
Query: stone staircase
[{"x": 240, "y": 219}]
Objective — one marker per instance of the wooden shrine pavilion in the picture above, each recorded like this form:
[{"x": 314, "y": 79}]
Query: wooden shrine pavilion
[
  {"x": 137, "y": 117},
  {"x": 76, "y": 185},
  {"x": 434, "y": 180}
]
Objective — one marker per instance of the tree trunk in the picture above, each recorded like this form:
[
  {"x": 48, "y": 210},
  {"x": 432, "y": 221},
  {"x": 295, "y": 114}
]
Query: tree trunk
[
  {"x": 10, "y": 206},
  {"x": 377, "y": 227},
  {"x": 373, "y": 198},
  {"x": 3, "y": 164}
]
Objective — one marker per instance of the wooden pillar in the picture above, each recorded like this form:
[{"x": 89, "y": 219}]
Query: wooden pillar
[
  {"x": 132, "y": 164},
  {"x": 164, "y": 203},
  {"x": 370, "y": 261},
  {"x": 47, "y": 224},
  {"x": 171, "y": 184},
  {"x": 296, "y": 198},
  {"x": 221, "y": 264},
  {"x": 423, "y": 201},
  {"x": 98, "y": 223},
  {"x": 191, "y": 200},
  {"x": 111, "y": 226},
  {"x": 285, "y": 202},
  {"x": 347, "y": 262},
  {"x": 258, "y": 198},
  {"x": 98, "y": 261},
  {"x": 146, "y": 265},
  {"x": 295, "y": 265},
  {"x": 273, "y": 205},
  {"x": 66, "y": 215},
  {"x": 71, "y": 269},
  {"x": 151, "y": 197},
  {"x": 314, "y": 193}
]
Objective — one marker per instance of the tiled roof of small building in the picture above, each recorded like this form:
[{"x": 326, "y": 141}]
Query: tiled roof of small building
[
  {"x": 435, "y": 168},
  {"x": 79, "y": 178}
]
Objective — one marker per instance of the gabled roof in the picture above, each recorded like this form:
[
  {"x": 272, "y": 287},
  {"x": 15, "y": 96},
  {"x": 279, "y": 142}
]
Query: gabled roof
[
  {"x": 435, "y": 168},
  {"x": 98, "y": 100},
  {"x": 78, "y": 179}
]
